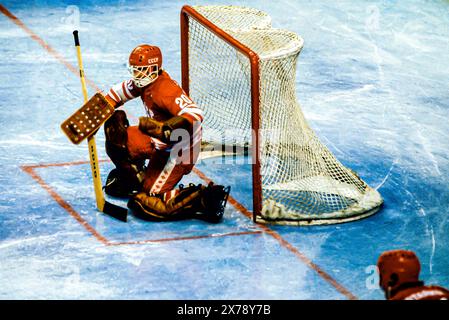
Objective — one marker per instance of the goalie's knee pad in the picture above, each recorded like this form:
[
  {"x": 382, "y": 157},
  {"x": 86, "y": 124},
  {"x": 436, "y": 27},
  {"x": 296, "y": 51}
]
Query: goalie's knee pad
[
  {"x": 122, "y": 184},
  {"x": 127, "y": 178},
  {"x": 128, "y": 175}
]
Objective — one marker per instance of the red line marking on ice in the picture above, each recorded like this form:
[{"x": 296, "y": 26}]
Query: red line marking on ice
[
  {"x": 64, "y": 204},
  {"x": 231, "y": 200},
  {"x": 284, "y": 243},
  {"x": 44, "y": 45},
  {"x": 61, "y": 164},
  {"x": 29, "y": 169}
]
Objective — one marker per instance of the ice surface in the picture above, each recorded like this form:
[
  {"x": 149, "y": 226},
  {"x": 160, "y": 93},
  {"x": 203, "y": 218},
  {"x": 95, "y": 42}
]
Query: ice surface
[{"x": 372, "y": 82}]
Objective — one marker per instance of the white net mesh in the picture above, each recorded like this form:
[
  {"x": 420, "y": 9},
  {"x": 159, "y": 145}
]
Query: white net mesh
[{"x": 302, "y": 181}]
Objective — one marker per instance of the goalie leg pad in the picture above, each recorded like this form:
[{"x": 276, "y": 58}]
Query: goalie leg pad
[
  {"x": 115, "y": 130},
  {"x": 119, "y": 184},
  {"x": 127, "y": 177},
  {"x": 153, "y": 207},
  {"x": 213, "y": 203},
  {"x": 199, "y": 202}
]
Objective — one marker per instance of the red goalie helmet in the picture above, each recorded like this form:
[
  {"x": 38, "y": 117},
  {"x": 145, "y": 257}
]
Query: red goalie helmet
[
  {"x": 145, "y": 61},
  {"x": 397, "y": 267}
]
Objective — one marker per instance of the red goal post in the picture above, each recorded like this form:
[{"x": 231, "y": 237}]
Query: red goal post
[
  {"x": 187, "y": 12},
  {"x": 242, "y": 73}
]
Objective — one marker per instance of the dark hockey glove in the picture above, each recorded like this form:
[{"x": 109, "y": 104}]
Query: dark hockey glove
[
  {"x": 151, "y": 127},
  {"x": 163, "y": 130}
]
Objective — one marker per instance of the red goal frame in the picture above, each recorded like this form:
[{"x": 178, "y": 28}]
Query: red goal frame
[{"x": 188, "y": 12}]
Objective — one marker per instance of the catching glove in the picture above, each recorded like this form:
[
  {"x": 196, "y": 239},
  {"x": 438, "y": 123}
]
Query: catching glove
[{"x": 163, "y": 130}]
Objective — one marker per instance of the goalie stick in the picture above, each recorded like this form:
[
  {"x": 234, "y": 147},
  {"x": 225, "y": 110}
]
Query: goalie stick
[{"x": 99, "y": 107}]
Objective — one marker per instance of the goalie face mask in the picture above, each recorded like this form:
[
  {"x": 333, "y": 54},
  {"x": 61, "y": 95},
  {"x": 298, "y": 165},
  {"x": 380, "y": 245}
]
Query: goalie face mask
[
  {"x": 144, "y": 75},
  {"x": 145, "y": 61}
]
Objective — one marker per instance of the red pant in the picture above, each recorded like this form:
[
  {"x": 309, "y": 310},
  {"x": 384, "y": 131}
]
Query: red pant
[{"x": 162, "y": 173}]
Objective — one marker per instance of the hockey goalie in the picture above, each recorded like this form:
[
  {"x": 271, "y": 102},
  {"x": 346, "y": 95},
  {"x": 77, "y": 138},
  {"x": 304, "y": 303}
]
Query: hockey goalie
[{"x": 169, "y": 137}]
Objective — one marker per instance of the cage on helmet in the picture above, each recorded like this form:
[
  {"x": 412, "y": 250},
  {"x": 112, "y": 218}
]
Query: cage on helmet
[
  {"x": 397, "y": 267},
  {"x": 144, "y": 64}
]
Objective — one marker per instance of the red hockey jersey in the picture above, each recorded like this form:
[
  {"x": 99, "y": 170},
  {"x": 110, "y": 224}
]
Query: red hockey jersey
[
  {"x": 163, "y": 99},
  {"x": 422, "y": 293}
]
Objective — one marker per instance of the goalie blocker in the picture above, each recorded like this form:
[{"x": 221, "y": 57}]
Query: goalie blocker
[{"x": 87, "y": 119}]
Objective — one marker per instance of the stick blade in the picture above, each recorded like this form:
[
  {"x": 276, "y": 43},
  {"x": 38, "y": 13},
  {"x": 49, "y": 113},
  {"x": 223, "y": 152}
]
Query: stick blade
[{"x": 115, "y": 211}]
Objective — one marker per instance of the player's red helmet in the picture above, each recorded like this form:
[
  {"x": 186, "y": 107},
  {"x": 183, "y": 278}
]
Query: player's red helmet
[
  {"x": 145, "y": 61},
  {"x": 397, "y": 267}
]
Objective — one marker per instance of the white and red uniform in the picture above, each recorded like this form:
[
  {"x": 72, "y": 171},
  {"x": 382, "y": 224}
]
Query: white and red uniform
[
  {"x": 163, "y": 99},
  {"x": 421, "y": 292}
]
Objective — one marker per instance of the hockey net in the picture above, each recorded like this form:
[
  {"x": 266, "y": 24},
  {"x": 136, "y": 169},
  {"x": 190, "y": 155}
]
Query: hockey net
[{"x": 241, "y": 72}]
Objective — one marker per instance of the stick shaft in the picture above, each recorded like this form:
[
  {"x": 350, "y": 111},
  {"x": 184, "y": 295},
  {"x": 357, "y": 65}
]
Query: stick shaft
[
  {"x": 91, "y": 140},
  {"x": 80, "y": 65}
]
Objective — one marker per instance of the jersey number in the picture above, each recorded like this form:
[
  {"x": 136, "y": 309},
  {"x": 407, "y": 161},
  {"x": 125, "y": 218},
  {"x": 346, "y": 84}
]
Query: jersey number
[{"x": 184, "y": 101}]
